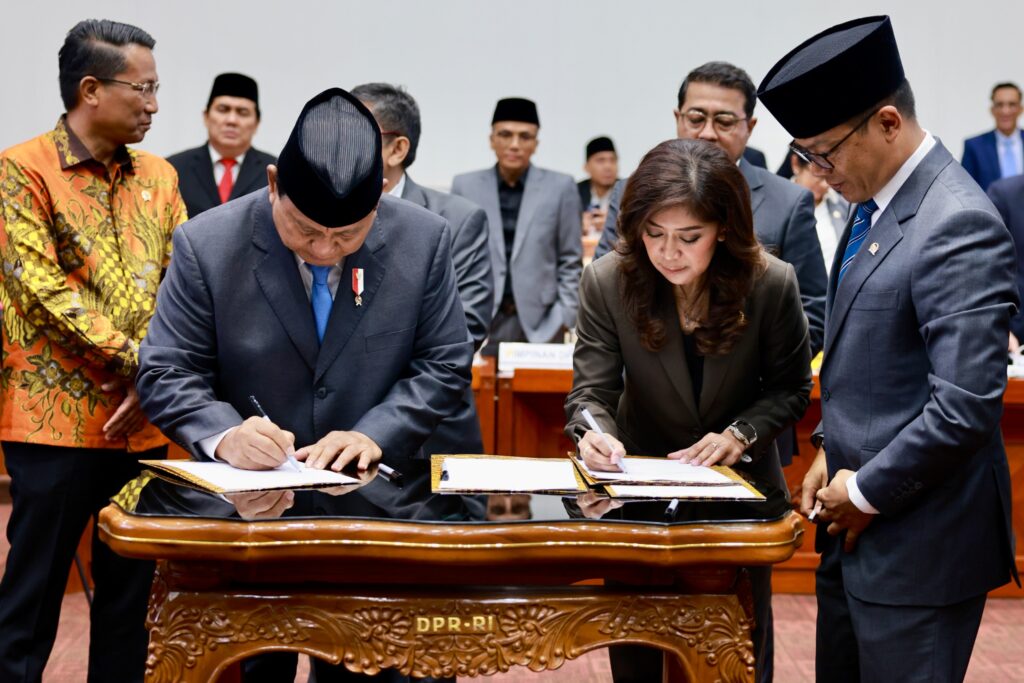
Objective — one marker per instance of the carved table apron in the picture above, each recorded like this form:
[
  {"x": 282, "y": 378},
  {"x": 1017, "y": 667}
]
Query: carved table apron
[{"x": 433, "y": 599}]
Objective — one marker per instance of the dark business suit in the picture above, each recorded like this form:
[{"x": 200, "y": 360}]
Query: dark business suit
[
  {"x": 460, "y": 431},
  {"x": 233, "y": 320},
  {"x": 1008, "y": 196},
  {"x": 911, "y": 385},
  {"x": 646, "y": 399},
  {"x": 755, "y": 157},
  {"x": 784, "y": 223},
  {"x": 196, "y": 183},
  {"x": 981, "y": 158}
]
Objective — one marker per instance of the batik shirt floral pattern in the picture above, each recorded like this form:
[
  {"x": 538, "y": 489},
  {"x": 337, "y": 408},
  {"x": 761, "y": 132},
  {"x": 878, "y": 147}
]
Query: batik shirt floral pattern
[{"x": 82, "y": 251}]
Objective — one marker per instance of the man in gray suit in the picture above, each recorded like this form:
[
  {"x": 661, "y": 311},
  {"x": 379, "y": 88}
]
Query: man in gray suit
[
  {"x": 398, "y": 117},
  {"x": 912, "y": 479},
  {"x": 335, "y": 306},
  {"x": 536, "y": 242},
  {"x": 716, "y": 103}
]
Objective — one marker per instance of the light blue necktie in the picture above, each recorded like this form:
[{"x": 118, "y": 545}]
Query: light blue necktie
[
  {"x": 320, "y": 297},
  {"x": 1008, "y": 162},
  {"x": 859, "y": 231}
]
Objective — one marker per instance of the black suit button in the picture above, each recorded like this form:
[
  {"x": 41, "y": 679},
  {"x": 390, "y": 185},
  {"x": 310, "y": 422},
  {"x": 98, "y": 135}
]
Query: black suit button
[
  {"x": 321, "y": 393},
  {"x": 825, "y": 394}
]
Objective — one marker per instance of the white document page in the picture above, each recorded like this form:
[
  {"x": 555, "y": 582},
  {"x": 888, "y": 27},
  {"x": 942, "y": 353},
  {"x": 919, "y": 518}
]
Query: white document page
[
  {"x": 497, "y": 474},
  {"x": 648, "y": 470},
  {"x": 686, "y": 492},
  {"x": 221, "y": 475}
]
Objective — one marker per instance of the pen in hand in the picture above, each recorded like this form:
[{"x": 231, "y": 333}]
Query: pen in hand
[
  {"x": 259, "y": 411},
  {"x": 815, "y": 511},
  {"x": 596, "y": 428}
]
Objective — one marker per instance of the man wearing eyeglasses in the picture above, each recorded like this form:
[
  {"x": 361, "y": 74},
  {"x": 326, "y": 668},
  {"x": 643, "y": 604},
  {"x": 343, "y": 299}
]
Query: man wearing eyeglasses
[
  {"x": 227, "y": 166},
  {"x": 534, "y": 216},
  {"x": 911, "y": 480},
  {"x": 716, "y": 104},
  {"x": 85, "y": 234}
]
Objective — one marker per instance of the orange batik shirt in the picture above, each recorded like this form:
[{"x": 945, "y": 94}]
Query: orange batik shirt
[{"x": 83, "y": 251}]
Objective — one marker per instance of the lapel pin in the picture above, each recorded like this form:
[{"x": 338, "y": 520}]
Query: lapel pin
[
  {"x": 873, "y": 248},
  {"x": 357, "y": 285},
  {"x": 146, "y": 196}
]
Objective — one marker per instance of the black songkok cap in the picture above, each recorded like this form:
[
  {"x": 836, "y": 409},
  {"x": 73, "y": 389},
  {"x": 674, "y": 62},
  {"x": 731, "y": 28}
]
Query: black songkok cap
[
  {"x": 331, "y": 166},
  {"x": 235, "y": 85},
  {"x": 516, "y": 109},
  {"x": 857, "y": 63},
  {"x": 601, "y": 144}
]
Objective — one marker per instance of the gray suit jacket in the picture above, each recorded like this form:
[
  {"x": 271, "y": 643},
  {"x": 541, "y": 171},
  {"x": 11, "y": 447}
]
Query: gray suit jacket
[
  {"x": 196, "y": 182},
  {"x": 233, "y": 319},
  {"x": 470, "y": 253},
  {"x": 646, "y": 399},
  {"x": 784, "y": 223},
  {"x": 912, "y": 385},
  {"x": 547, "y": 252}
]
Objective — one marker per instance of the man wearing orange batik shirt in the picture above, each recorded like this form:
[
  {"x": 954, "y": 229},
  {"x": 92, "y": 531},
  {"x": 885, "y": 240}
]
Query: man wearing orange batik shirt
[{"x": 85, "y": 235}]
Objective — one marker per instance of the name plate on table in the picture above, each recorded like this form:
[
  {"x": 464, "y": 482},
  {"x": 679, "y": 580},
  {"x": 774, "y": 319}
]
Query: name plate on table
[{"x": 515, "y": 355}]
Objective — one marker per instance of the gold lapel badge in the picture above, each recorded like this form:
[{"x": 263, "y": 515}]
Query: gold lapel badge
[{"x": 873, "y": 248}]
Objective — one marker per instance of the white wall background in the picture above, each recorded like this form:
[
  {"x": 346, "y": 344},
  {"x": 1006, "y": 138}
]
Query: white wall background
[{"x": 593, "y": 66}]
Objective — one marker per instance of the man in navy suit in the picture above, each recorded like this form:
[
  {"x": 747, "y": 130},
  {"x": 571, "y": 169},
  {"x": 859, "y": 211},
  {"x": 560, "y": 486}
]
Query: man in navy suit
[
  {"x": 911, "y": 480},
  {"x": 227, "y": 166},
  {"x": 998, "y": 153}
]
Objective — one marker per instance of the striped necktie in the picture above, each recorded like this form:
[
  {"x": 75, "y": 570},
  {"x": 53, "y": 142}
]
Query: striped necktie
[
  {"x": 320, "y": 298},
  {"x": 858, "y": 233}
]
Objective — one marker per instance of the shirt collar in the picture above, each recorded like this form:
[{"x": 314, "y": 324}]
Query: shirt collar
[
  {"x": 885, "y": 196},
  {"x": 1015, "y": 135},
  {"x": 399, "y": 188},
  {"x": 72, "y": 151},
  {"x": 216, "y": 156},
  {"x": 521, "y": 183}
]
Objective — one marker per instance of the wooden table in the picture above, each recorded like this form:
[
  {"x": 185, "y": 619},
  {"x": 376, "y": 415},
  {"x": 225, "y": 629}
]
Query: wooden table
[
  {"x": 531, "y": 418},
  {"x": 443, "y": 599}
]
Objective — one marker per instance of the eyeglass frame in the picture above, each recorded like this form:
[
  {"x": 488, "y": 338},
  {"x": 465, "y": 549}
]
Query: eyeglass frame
[
  {"x": 146, "y": 89},
  {"x": 715, "y": 122},
  {"x": 824, "y": 163}
]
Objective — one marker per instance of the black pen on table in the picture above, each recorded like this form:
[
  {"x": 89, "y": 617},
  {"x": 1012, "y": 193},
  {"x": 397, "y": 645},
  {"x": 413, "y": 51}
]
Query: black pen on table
[{"x": 262, "y": 413}]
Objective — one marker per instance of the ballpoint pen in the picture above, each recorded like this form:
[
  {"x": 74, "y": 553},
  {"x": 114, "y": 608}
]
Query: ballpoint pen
[
  {"x": 596, "y": 428},
  {"x": 262, "y": 413}
]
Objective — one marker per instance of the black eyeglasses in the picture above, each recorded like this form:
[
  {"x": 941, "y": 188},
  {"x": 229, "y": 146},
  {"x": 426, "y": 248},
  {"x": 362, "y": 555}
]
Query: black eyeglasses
[
  {"x": 145, "y": 89},
  {"x": 821, "y": 159}
]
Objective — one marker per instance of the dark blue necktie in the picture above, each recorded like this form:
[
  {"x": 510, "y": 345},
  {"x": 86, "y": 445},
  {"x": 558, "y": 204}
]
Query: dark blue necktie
[
  {"x": 858, "y": 233},
  {"x": 320, "y": 297}
]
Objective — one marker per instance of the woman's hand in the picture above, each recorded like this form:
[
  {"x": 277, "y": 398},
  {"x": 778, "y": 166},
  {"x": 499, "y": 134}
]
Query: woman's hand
[
  {"x": 593, "y": 447},
  {"x": 596, "y": 506},
  {"x": 713, "y": 449}
]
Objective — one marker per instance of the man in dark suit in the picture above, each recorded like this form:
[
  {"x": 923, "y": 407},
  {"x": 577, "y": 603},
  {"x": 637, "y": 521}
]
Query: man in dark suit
[
  {"x": 1008, "y": 196},
  {"x": 755, "y": 157},
  {"x": 716, "y": 103},
  {"x": 227, "y": 166},
  {"x": 335, "y": 306},
  {"x": 534, "y": 219},
  {"x": 602, "y": 168},
  {"x": 398, "y": 117},
  {"x": 912, "y": 478},
  {"x": 998, "y": 153}
]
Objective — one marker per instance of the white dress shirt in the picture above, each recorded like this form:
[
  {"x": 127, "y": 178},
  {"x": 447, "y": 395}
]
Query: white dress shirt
[{"x": 218, "y": 165}]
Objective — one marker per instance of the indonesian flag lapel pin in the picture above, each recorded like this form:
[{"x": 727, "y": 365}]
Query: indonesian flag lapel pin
[{"x": 357, "y": 285}]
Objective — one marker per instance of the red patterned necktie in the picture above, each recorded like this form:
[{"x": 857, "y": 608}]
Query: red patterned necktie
[{"x": 227, "y": 181}]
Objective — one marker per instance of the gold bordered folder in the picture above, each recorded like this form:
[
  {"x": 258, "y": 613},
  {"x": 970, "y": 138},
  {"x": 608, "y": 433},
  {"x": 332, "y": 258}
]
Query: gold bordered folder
[
  {"x": 220, "y": 477},
  {"x": 473, "y": 474},
  {"x": 651, "y": 478}
]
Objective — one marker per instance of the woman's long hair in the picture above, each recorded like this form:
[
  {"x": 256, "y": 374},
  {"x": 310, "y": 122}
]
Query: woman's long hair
[{"x": 697, "y": 176}]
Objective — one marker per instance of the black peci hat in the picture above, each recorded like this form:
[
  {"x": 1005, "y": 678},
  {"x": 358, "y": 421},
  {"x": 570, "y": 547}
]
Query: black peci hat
[
  {"x": 516, "y": 109},
  {"x": 331, "y": 166},
  {"x": 235, "y": 85},
  {"x": 857, "y": 63},
  {"x": 598, "y": 145}
]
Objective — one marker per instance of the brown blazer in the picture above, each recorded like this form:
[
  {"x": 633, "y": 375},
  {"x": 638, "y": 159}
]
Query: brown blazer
[{"x": 646, "y": 399}]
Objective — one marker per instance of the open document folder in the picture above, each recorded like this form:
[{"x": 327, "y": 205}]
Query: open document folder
[
  {"x": 220, "y": 477},
  {"x": 503, "y": 474},
  {"x": 661, "y": 478}
]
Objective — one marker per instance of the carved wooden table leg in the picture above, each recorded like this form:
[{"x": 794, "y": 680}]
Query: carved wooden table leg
[{"x": 195, "y": 634}]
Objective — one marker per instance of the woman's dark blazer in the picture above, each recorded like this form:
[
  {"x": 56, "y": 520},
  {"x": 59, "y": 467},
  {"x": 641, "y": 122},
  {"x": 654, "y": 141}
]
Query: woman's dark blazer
[{"x": 645, "y": 398}]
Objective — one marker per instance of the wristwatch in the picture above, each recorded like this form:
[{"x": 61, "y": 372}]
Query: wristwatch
[{"x": 744, "y": 432}]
